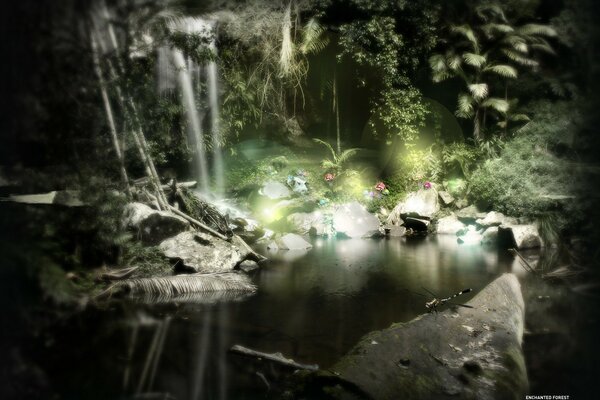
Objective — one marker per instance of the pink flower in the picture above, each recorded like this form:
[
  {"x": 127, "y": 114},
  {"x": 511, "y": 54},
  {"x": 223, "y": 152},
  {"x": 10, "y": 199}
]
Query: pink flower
[
  {"x": 329, "y": 177},
  {"x": 380, "y": 186},
  {"x": 427, "y": 185}
]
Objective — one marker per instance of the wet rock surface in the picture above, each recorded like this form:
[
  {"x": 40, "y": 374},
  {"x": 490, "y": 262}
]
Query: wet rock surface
[
  {"x": 352, "y": 220},
  {"x": 449, "y": 225},
  {"x": 524, "y": 236},
  {"x": 150, "y": 225},
  {"x": 290, "y": 241},
  {"x": 461, "y": 353},
  {"x": 201, "y": 252}
]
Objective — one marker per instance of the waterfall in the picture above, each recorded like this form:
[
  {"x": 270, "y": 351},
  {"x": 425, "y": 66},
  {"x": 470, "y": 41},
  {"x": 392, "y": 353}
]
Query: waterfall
[
  {"x": 193, "y": 117},
  {"x": 192, "y": 81}
]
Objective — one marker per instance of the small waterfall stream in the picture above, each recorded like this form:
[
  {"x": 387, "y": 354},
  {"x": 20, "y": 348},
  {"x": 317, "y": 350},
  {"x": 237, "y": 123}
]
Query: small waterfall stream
[{"x": 199, "y": 85}]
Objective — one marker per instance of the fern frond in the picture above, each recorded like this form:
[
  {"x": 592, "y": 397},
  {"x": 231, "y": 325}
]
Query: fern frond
[
  {"x": 437, "y": 63},
  {"x": 454, "y": 61},
  {"x": 505, "y": 71},
  {"x": 491, "y": 28},
  {"x": 479, "y": 90},
  {"x": 326, "y": 145},
  {"x": 519, "y": 118},
  {"x": 346, "y": 155},
  {"x": 493, "y": 10},
  {"x": 519, "y": 59},
  {"x": 440, "y": 76}
]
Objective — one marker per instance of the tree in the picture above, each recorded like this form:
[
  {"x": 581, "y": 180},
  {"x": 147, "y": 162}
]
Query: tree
[{"x": 486, "y": 53}]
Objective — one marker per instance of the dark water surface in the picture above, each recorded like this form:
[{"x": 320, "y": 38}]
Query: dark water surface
[{"x": 311, "y": 306}]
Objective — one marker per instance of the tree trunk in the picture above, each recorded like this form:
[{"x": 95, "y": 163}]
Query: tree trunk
[
  {"x": 477, "y": 126},
  {"x": 336, "y": 107},
  {"x": 109, "y": 115}
]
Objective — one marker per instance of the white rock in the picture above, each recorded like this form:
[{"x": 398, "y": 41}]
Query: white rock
[
  {"x": 275, "y": 190},
  {"x": 449, "y": 225},
  {"x": 354, "y": 221},
  {"x": 291, "y": 241},
  {"x": 524, "y": 236}
]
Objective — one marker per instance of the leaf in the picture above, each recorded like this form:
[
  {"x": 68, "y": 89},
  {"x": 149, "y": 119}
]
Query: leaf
[
  {"x": 492, "y": 28},
  {"x": 346, "y": 154},
  {"x": 479, "y": 90},
  {"x": 497, "y": 104},
  {"x": 475, "y": 60},
  {"x": 465, "y": 106},
  {"x": 454, "y": 61},
  {"x": 520, "y": 118},
  {"x": 313, "y": 40},
  {"x": 326, "y": 145},
  {"x": 440, "y": 76},
  {"x": 437, "y": 63},
  {"x": 505, "y": 71},
  {"x": 537, "y": 29},
  {"x": 518, "y": 58},
  {"x": 467, "y": 32}
]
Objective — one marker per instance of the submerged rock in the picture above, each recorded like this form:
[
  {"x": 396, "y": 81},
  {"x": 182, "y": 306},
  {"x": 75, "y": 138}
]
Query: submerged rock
[
  {"x": 470, "y": 353},
  {"x": 352, "y": 220},
  {"x": 152, "y": 226},
  {"x": 449, "y": 225},
  {"x": 201, "y": 252},
  {"x": 525, "y": 236}
]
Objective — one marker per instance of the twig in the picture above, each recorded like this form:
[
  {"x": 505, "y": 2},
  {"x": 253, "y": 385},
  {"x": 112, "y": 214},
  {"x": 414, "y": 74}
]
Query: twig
[
  {"x": 524, "y": 263},
  {"x": 274, "y": 357}
]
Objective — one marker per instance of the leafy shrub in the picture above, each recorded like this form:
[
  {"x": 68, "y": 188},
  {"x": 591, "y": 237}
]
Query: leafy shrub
[{"x": 529, "y": 167}]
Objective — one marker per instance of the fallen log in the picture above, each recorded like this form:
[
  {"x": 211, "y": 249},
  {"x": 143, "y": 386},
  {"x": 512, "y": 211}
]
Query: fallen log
[{"x": 274, "y": 357}]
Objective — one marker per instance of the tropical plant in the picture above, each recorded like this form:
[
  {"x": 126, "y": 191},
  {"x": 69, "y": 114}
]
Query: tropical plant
[
  {"x": 485, "y": 53},
  {"x": 338, "y": 160}
]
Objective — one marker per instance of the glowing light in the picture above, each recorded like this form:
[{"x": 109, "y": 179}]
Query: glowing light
[{"x": 471, "y": 236}]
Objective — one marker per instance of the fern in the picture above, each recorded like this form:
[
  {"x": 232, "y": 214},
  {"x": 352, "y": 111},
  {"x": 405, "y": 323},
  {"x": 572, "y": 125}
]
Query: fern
[
  {"x": 475, "y": 60},
  {"x": 313, "y": 40},
  {"x": 496, "y": 104},
  {"x": 505, "y": 71},
  {"x": 465, "y": 106},
  {"x": 479, "y": 90}
]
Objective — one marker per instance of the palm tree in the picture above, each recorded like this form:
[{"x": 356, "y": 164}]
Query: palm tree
[{"x": 484, "y": 52}]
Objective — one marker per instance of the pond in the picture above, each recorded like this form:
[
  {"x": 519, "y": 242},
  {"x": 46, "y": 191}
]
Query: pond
[{"x": 311, "y": 306}]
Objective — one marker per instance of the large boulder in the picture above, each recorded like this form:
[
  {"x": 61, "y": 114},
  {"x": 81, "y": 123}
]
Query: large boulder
[
  {"x": 524, "y": 236},
  {"x": 352, "y": 220},
  {"x": 152, "y": 226},
  {"x": 290, "y": 241},
  {"x": 490, "y": 236},
  {"x": 465, "y": 353},
  {"x": 449, "y": 225},
  {"x": 422, "y": 203},
  {"x": 201, "y": 252},
  {"x": 275, "y": 190}
]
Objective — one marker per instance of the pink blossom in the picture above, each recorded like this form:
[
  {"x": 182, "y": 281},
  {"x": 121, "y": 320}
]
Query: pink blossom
[
  {"x": 329, "y": 177},
  {"x": 380, "y": 186},
  {"x": 427, "y": 185}
]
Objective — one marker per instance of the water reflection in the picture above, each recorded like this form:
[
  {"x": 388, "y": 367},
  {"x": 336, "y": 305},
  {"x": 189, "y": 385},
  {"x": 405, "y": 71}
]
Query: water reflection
[{"x": 312, "y": 308}]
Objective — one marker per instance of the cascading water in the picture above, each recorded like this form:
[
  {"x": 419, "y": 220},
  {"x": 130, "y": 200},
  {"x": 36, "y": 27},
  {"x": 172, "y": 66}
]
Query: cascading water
[{"x": 191, "y": 82}]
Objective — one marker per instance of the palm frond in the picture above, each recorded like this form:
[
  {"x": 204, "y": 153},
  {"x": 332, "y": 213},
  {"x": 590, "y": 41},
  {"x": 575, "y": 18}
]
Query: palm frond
[
  {"x": 537, "y": 29},
  {"x": 479, "y": 90},
  {"x": 287, "y": 50},
  {"x": 496, "y": 104},
  {"x": 313, "y": 40},
  {"x": 328, "y": 164},
  {"x": 183, "y": 284},
  {"x": 465, "y": 106},
  {"x": 492, "y": 28},
  {"x": 519, "y": 118},
  {"x": 454, "y": 61},
  {"x": 475, "y": 60},
  {"x": 505, "y": 71},
  {"x": 519, "y": 58},
  {"x": 466, "y": 32},
  {"x": 437, "y": 63},
  {"x": 544, "y": 48},
  {"x": 485, "y": 11}
]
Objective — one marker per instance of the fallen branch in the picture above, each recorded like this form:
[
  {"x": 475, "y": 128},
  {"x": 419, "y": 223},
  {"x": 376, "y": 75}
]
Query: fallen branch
[
  {"x": 524, "y": 261},
  {"x": 274, "y": 357},
  {"x": 192, "y": 220}
]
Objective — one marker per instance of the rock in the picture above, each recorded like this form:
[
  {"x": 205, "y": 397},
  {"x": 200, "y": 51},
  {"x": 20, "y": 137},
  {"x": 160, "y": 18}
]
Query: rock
[
  {"x": 524, "y": 236},
  {"x": 449, "y": 225},
  {"x": 275, "y": 190},
  {"x": 490, "y": 236},
  {"x": 297, "y": 184},
  {"x": 248, "y": 265},
  {"x": 422, "y": 203},
  {"x": 201, "y": 252},
  {"x": 416, "y": 224},
  {"x": 67, "y": 198},
  {"x": 394, "y": 218},
  {"x": 152, "y": 226},
  {"x": 289, "y": 241},
  {"x": 446, "y": 198},
  {"x": 248, "y": 229},
  {"x": 395, "y": 231},
  {"x": 493, "y": 218},
  {"x": 472, "y": 353},
  {"x": 354, "y": 221},
  {"x": 469, "y": 214},
  {"x": 303, "y": 222}
]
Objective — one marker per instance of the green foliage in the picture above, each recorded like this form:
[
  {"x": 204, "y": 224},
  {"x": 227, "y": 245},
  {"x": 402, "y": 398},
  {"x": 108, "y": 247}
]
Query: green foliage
[
  {"x": 529, "y": 167},
  {"x": 420, "y": 165},
  {"x": 337, "y": 162},
  {"x": 461, "y": 154},
  {"x": 401, "y": 112}
]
